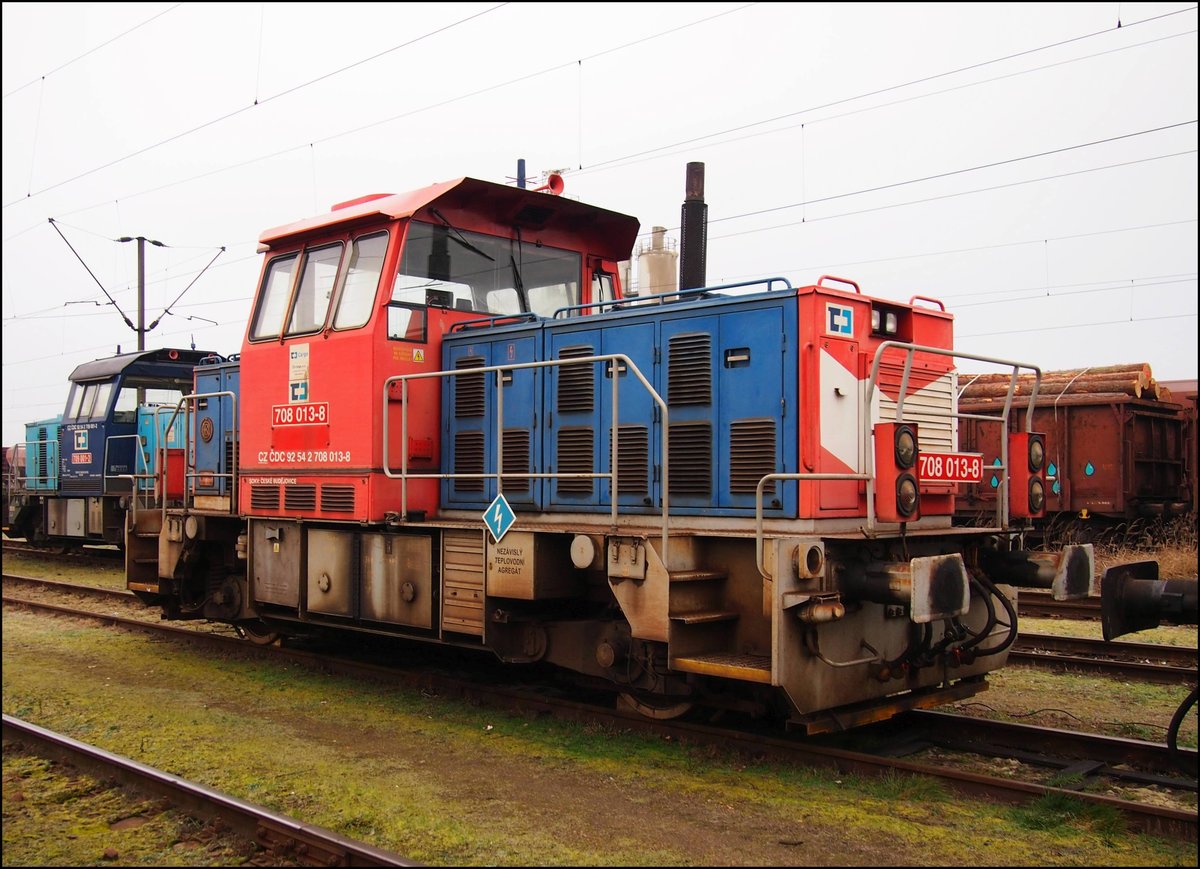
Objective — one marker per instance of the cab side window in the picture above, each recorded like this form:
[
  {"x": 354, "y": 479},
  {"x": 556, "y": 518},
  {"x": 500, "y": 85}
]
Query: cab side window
[
  {"x": 315, "y": 289},
  {"x": 362, "y": 279},
  {"x": 273, "y": 300}
]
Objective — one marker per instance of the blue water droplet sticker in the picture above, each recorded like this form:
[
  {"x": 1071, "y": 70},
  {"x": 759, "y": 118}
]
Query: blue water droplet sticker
[
  {"x": 995, "y": 481},
  {"x": 1056, "y": 488},
  {"x": 1052, "y": 471},
  {"x": 996, "y": 462},
  {"x": 1089, "y": 469}
]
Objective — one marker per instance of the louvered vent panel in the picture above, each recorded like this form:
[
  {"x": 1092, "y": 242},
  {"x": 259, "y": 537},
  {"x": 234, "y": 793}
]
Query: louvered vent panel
[
  {"x": 43, "y": 455},
  {"x": 337, "y": 499},
  {"x": 78, "y": 486},
  {"x": 633, "y": 447},
  {"x": 229, "y": 468},
  {"x": 689, "y": 363},
  {"x": 516, "y": 459},
  {"x": 264, "y": 497},
  {"x": 300, "y": 496},
  {"x": 576, "y": 456},
  {"x": 751, "y": 455},
  {"x": 468, "y": 389},
  {"x": 468, "y": 459},
  {"x": 576, "y": 383},
  {"x": 690, "y": 459},
  {"x": 929, "y": 407}
]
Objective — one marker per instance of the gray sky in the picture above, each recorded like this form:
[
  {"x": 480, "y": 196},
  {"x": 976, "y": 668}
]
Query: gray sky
[{"x": 1032, "y": 165}]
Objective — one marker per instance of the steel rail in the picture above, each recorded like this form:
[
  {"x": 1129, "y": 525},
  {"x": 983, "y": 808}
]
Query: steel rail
[
  {"x": 1160, "y": 820},
  {"x": 307, "y": 843}
]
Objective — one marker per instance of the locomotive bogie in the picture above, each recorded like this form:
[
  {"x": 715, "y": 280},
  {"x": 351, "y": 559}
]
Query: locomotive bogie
[{"x": 845, "y": 636}]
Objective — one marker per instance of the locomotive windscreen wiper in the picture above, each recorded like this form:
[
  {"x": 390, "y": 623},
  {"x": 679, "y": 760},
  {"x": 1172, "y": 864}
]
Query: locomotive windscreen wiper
[
  {"x": 460, "y": 239},
  {"x": 518, "y": 284}
]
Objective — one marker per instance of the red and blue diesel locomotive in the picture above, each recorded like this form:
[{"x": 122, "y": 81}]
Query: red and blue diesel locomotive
[{"x": 449, "y": 423}]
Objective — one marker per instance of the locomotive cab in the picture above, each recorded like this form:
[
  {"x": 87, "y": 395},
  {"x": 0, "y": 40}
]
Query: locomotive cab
[{"x": 365, "y": 293}]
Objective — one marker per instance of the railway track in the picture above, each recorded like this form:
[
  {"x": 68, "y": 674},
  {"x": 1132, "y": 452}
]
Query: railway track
[
  {"x": 1144, "y": 662},
  {"x": 1085, "y": 755},
  {"x": 306, "y": 844},
  {"x": 1040, "y": 605},
  {"x": 59, "y": 553},
  {"x": 1147, "y": 662}
]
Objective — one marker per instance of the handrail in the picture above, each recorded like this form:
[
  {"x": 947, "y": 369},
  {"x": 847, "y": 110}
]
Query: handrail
[
  {"x": 758, "y": 507},
  {"x": 500, "y": 370},
  {"x": 937, "y": 302},
  {"x": 491, "y": 322},
  {"x": 51, "y": 462},
  {"x": 910, "y": 350},
  {"x": 135, "y": 488},
  {"x": 690, "y": 291},
  {"x": 854, "y": 284},
  {"x": 189, "y": 472},
  {"x": 868, "y": 476}
]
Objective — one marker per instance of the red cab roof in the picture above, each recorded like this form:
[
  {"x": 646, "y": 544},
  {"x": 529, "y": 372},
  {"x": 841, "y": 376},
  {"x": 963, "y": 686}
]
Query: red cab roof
[{"x": 606, "y": 233}]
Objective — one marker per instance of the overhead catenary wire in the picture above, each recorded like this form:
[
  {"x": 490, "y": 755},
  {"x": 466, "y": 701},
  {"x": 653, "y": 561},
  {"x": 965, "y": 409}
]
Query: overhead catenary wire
[
  {"x": 598, "y": 54},
  {"x": 953, "y": 172},
  {"x": 111, "y": 300},
  {"x": 130, "y": 288},
  {"x": 806, "y": 202},
  {"x": 934, "y": 77},
  {"x": 992, "y": 188},
  {"x": 90, "y": 51},
  {"x": 1159, "y": 225},
  {"x": 257, "y": 102},
  {"x": 997, "y": 246},
  {"x": 429, "y": 107},
  {"x": 1059, "y": 326}
]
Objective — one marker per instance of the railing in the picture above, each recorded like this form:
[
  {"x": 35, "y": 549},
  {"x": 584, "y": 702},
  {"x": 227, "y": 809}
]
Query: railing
[
  {"x": 659, "y": 297},
  {"x": 35, "y": 456},
  {"x": 616, "y": 359},
  {"x": 910, "y": 349},
  {"x": 190, "y": 473},
  {"x": 868, "y": 476},
  {"x": 758, "y": 506},
  {"x": 135, "y": 478}
]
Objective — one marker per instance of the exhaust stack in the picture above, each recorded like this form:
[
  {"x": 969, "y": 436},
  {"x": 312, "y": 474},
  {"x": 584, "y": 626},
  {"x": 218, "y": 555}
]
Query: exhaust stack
[{"x": 693, "y": 241}]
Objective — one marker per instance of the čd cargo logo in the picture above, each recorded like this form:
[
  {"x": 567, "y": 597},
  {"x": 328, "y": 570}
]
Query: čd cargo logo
[{"x": 839, "y": 320}]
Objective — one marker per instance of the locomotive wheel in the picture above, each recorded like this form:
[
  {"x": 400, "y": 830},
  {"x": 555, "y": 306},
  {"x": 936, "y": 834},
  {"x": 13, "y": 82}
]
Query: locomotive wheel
[
  {"x": 659, "y": 708},
  {"x": 257, "y": 633}
]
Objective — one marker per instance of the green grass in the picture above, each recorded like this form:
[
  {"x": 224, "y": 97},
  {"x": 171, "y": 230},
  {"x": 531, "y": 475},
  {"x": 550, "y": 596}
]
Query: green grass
[{"x": 447, "y": 782}]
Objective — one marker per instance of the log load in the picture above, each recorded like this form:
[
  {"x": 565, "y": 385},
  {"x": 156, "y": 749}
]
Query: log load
[{"x": 1133, "y": 379}]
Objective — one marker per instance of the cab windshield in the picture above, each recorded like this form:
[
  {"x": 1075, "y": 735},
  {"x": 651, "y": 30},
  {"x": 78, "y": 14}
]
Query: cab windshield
[{"x": 484, "y": 273}]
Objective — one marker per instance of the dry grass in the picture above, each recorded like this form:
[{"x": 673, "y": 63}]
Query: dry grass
[{"x": 1172, "y": 543}]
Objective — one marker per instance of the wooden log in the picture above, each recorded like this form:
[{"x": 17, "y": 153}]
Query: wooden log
[
  {"x": 1131, "y": 368},
  {"x": 1079, "y": 386}
]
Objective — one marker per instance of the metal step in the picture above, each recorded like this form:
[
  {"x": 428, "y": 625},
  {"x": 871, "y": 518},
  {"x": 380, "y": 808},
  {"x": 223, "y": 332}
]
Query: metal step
[
  {"x": 696, "y": 617},
  {"x": 697, "y": 575},
  {"x": 747, "y": 668}
]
